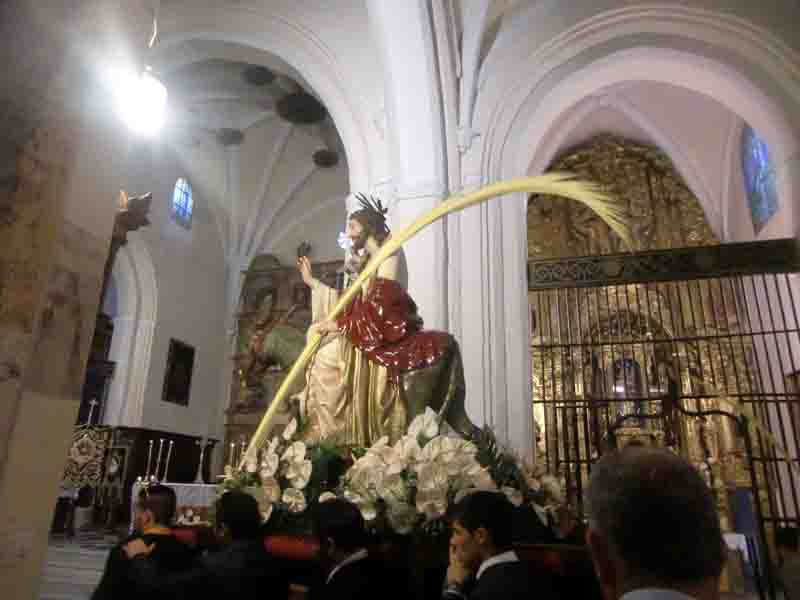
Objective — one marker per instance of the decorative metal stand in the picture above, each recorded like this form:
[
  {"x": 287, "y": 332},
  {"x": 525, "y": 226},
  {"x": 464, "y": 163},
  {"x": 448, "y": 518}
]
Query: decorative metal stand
[{"x": 199, "y": 477}]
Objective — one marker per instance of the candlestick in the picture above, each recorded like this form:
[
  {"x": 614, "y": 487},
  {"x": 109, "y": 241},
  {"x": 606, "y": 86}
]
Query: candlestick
[
  {"x": 169, "y": 455},
  {"x": 199, "y": 477},
  {"x": 242, "y": 448},
  {"x": 232, "y": 455},
  {"x": 149, "y": 459},
  {"x": 92, "y": 404},
  {"x": 158, "y": 461}
]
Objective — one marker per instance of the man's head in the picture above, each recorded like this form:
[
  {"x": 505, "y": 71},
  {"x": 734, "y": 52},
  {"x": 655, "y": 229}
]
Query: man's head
[
  {"x": 482, "y": 527},
  {"x": 339, "y": 527},
  {"x": 653, "y": 523},
  {"x": 155, "y": 507},
  {"x": 237, "y": 516},
  {"x": 368, "y": 220}
]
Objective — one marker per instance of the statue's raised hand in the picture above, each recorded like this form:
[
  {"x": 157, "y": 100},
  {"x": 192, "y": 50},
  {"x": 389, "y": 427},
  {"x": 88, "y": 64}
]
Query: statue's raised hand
[{"x": 304, "y": 266}]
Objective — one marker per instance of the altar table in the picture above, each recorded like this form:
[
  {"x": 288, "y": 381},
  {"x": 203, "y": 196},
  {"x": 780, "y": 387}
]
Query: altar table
[{"x": 194, "y": 501}]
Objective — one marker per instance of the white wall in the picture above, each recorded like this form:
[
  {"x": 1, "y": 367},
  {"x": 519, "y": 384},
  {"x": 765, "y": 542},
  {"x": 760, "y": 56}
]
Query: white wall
[{"x": 190, "y": 276}]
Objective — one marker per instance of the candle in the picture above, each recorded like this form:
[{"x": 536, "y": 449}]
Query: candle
[
  {"x": 242, "y": 447},
  {"x": 158, "y": 461},
  {"x": 232, "y": 455},
  {"x": 149, "y": 459},
  {"x": 169, "y": 454}
]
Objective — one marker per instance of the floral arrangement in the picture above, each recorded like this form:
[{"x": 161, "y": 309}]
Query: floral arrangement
[
  {"x": 288, "y": 475},
  {"x": 402, "y": 487}
]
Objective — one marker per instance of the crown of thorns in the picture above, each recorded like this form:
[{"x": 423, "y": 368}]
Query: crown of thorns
[{"x": 372, "y": 206}]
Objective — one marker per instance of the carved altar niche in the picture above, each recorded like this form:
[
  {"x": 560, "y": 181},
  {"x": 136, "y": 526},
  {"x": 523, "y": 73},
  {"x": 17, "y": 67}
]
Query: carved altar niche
[
  {"x": 663, "y": 211},
  {"x": 578, "y": 339},
  {"x": 270, "y": 291}
]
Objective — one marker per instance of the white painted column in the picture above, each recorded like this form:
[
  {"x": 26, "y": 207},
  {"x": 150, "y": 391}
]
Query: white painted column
[
  {"x": 493, "y": 304},
  {"x": 415, "y": 134},
  {"x": 121, "y": 353}
]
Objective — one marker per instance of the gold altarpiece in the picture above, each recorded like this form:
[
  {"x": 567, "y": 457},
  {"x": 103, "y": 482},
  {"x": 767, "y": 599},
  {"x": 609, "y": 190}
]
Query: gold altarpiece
[{"x": 603, "y": 353}]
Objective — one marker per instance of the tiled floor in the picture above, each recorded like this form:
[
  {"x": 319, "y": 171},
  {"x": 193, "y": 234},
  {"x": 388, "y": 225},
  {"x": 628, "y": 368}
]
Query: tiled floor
[{"x": 74, "y": 566}]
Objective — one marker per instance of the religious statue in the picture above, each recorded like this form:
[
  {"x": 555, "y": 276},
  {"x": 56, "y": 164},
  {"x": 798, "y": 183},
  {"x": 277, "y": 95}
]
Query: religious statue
[{"x": 376, "y": 368}]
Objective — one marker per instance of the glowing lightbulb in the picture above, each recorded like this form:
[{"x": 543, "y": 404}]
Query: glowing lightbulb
[{"x": 142, "y": 103}]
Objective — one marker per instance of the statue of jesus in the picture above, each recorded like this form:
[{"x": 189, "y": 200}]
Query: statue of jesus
[{"x": 353, "y": 391}]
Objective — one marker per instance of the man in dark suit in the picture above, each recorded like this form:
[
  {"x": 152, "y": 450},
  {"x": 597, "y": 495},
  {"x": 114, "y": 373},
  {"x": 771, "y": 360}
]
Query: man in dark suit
[
  {"x": 349, "y": 569},
  {"x": 482, "y": 563},
  {"x": 240, "y": 567},
  {"x": 153, "y": 515},
  {"x": 654, "y": 530}
]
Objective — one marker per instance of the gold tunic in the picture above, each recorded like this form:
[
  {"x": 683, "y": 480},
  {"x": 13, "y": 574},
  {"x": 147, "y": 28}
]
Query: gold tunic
[{"x": 347, "y": 397}]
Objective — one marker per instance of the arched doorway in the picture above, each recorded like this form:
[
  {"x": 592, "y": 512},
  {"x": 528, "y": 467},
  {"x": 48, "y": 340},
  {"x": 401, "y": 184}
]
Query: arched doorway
[
  {"x": 668, "y": 346},
  {"x": 136, "y": 307}
]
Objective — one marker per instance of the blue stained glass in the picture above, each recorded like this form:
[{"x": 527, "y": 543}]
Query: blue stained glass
[
  {"x": 182, "y": 203},
  {"x": 759, "y": 179}
]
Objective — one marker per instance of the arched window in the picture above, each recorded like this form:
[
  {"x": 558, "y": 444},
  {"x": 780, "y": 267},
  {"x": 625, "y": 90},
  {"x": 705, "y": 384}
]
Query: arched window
[
  {"x": 759, "y": 178},
  {"x": 182, "y": 204}
]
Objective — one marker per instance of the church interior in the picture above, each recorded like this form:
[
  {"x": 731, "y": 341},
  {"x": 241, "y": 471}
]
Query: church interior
[{"x": 166, "y": 163}]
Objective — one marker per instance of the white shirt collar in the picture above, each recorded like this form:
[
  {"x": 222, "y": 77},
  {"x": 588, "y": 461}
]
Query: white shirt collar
[
  {"x": 509, "y": 556},
  {"x": 357, "y": 555},
  {"x": 655, "y": 594}
]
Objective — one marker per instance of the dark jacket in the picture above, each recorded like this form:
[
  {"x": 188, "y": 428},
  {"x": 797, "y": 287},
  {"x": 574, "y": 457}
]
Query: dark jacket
[
  {"x": 169, "y": 556},
  {"x": 509, "y": 581},
  {"x": 237, "y": 570},
  {"x": 365, "y": 579}
]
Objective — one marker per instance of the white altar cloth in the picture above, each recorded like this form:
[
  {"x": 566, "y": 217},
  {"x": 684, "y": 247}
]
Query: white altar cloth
[{"x": 193, "y": 502}]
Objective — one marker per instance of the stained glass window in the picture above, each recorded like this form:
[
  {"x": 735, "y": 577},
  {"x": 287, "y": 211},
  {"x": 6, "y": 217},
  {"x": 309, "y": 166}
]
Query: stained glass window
[
  {"x": 759, "y": 179},
  {"x": 182, "y": 204}
]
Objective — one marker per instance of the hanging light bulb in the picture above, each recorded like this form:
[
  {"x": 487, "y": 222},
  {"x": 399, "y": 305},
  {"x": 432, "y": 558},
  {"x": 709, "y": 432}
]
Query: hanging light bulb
[
  {"x": 142, "y": 99},
  {"x": 142, "y": 103}
]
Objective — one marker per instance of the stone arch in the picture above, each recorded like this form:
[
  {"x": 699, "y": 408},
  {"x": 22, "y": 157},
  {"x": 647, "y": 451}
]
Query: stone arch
[
  {"x": 137, "y": 307},
  {"x": 299, "y": 47},
  {"x": 526, "y": 85}
]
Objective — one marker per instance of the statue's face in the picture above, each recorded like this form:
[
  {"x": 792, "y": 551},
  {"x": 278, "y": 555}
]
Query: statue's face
[{"x": 357, "y": 233}]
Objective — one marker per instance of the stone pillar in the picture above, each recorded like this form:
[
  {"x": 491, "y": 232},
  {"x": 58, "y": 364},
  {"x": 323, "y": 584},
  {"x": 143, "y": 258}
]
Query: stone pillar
[
  {"x": 57, "y": 203},
  {"x": 404, "y": 36},
  {"x": 50, "y": 280}
]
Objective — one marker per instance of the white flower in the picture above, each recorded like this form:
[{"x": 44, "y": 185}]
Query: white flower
[
  {"x": 269, "y": 464},
  {"x": 433, "y": 503},
  {"x": 392, "y": 488},
  {"x": 266, "y": 513},
  {"x": 325, "y": 496},
  {"x": 366, "y": 505},
  {"x": 426, "y": 424},
  {"x": 345, "y": 243},
  {"x": 251, "y": 465},
  {"x": 228, "y": 472},
  {"x": 295, "y": 452},
  {"x": 404, "y": 453},
  {"x": 295, "y": 500},
  {"x": 290, "y": 430},
  {"x": 272, "y": 489},
  {"x": 273, "y": 445},
  {"x": 513, "y": 494},
  {"x": 299, "y": 473},
  {"x": 402, "y": 517}
]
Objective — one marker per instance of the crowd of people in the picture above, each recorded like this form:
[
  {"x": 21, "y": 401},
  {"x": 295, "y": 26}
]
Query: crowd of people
[{"x": 653, "y": 532}]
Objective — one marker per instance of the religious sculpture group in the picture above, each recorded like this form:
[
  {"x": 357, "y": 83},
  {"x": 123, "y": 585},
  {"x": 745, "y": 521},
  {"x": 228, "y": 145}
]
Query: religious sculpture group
[{"x": 377, "y": 367}]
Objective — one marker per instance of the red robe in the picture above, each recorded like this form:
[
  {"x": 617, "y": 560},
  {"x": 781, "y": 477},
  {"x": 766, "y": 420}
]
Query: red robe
[{"x": 383, "y": 323}]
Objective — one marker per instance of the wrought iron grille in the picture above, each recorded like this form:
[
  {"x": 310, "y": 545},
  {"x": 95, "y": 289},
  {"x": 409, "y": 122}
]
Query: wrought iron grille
[{"x": 694, "y": 349}]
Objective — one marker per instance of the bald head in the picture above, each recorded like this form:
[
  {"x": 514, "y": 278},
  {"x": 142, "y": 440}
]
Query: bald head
[{"x": 657, "y": 516}]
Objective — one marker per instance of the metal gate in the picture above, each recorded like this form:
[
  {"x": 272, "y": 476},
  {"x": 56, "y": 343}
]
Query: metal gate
[{"x": 693, "y": 349}]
